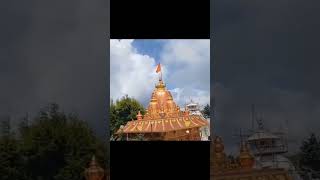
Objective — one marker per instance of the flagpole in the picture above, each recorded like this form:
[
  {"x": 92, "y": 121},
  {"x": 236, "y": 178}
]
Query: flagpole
[{"x": 159, "y": 69}]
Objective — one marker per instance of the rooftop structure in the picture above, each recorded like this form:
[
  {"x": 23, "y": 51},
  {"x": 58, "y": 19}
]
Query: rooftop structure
[
  {"x": 164, "y": 120},
  {"x": 242, "y": 167}
]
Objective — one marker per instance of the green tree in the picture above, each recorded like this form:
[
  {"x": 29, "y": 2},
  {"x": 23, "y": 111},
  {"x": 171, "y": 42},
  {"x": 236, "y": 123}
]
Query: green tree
[
  {"x": 57, "y": 146},
  {"x": 23, "y": 126},
  {"x": 122, "y": 111},
  {"x": 206, "y": 111},
  {"x": 11, "y": 162},
  {"x": 310, "y": 153},
  {"x": 5, "y": 127}
]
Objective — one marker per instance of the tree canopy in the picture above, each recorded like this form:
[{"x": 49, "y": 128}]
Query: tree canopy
[
  {"x": 307, "y": 160},
  {"x": 122, "y": 111},
  {"x": 310, "y": 153},
  {"x": 206, "y": 111},
  {"x": 55, "y": 146}
]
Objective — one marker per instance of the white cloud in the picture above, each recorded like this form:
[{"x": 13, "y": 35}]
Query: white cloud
[
  {"x": 185, "y": 66},
  {"x": 130, "y": 72},
  {"x": 184, "y": 95}
]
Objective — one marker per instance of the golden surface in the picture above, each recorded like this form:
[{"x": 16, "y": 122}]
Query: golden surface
[{"x": 162, "y": 115}]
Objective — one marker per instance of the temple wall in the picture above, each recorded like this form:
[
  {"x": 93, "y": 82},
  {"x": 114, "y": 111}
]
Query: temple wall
[{"x": 181, "y": 135}]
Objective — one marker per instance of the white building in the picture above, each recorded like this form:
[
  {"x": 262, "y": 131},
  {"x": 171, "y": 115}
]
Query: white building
[{"x": 194, "y": 108}]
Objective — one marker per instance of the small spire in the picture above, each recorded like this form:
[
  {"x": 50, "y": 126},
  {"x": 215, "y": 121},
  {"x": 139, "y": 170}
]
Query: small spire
[
  {"x": 153, "y": 97},
  {"x": 218, "y": 144},
  {"x": 139, "y": 116},
  {"x": 246, "y": 158},
  {"x": 94, "y": 172},
  {"x": 219, "y": 160},
  {"x": 93, "y": 161},
  {"x": 186, "y": 113},
  {"x": 169, "y": 95}
]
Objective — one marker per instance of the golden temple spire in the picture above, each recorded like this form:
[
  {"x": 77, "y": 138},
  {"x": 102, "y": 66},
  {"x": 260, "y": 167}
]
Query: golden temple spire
[
  {"x": 218, "y": 157},
  {"x": 94, "y": 172},
  {"x": 246, "y": 159},
  {"x": 93, "y": 161},
  {"x": 139, "y": 116}
]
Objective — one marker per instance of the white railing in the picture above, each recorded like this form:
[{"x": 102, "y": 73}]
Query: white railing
[{"x": 268, "y": 149}]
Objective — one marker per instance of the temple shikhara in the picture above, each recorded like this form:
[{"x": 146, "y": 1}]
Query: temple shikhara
[{"x": 164, "y": 120}]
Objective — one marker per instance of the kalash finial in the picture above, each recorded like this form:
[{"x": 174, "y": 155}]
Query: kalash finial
[
  {"x": 160, "y": 84},
  {"x": 139, "y": 116},
  {"x": 93, "y": 161},
  {"x": 246, "y": 159},
  {"x": 94, "y": 172},
  {"x": 218, "y": 156},
  {"x": 218, "y": 145}
]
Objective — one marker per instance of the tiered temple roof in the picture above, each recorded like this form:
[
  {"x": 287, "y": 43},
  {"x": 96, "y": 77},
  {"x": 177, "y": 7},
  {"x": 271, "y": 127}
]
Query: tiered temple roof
[{"x": 162, "y": 115}]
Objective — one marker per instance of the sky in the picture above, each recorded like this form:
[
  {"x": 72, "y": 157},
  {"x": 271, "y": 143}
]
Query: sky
[
  {"x": 266, "y": 53},
  {"x": 185, "y": 69},
  {"x": 54, "y": 51}
]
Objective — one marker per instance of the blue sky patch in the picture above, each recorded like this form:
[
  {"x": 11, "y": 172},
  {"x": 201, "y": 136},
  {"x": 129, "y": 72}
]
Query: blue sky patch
[{"x": 149, "y": 47}]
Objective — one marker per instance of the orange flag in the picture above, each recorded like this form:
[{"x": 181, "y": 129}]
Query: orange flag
[{"x": 158, "y": 68}]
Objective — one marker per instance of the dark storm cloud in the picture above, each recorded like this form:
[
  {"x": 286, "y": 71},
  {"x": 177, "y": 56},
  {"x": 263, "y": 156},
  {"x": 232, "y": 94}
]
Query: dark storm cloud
[
  {"x": 55, "y": 51},
  {"x": 266, "y": 53}
]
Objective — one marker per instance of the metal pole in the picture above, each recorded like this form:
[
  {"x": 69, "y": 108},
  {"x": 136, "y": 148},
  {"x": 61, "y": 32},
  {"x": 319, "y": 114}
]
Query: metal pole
[{"x": 252, "y": 116}]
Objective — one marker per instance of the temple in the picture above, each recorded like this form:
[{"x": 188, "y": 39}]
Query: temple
[
  {"x": 261, "y": 156},
  {"x": 164, "y": 120},
  {"x": 241, "y": 167}
]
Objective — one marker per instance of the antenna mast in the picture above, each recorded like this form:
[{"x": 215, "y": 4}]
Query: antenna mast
[
  {"x": 259, "y": 121},
  {"x": 252, "y": 116}
]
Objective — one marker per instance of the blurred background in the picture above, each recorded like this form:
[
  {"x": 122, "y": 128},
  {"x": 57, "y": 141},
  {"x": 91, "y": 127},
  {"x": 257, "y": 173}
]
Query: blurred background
[{"x": 54, "y": 87}]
